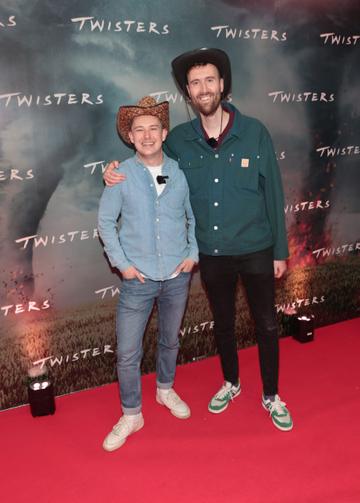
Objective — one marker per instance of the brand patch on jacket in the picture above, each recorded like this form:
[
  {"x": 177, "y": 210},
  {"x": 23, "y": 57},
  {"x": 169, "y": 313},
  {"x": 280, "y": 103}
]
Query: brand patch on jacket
[{"x": 244, "y": 163}]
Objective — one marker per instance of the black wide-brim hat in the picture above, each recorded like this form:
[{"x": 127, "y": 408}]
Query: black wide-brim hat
[{"x": 182, "y": 64}]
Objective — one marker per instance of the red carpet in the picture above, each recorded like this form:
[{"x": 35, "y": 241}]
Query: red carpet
[{"x": 237, "y": 456}]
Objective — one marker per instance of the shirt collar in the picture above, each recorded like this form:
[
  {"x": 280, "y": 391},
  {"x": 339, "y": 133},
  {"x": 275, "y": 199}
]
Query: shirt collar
[{"x": 165, "y": 164}]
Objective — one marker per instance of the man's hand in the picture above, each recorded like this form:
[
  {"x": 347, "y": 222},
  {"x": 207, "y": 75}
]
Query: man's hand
[
  {"x": 185, "y": 266},
  {"x": 112, "y": 178},
  {"x": 132, "y": 273},
  {"x": 279, "y": 268}
]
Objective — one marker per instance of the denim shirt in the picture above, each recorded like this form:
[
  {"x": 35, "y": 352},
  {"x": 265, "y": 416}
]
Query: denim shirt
[{"x": 156, "y": 233}]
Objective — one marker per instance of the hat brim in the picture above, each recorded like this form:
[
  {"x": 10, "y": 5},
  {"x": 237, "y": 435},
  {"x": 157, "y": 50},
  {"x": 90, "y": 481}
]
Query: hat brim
[
  {"x": 126, "y": 115},
  {"x": 182, "y": 64}
]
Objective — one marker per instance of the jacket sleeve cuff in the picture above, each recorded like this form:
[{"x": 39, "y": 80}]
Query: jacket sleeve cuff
[{"x": 281, "y": 253}]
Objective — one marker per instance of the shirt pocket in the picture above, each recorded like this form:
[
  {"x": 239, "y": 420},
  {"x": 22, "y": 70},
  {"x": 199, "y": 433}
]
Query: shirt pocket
[{"x": 174, "y": 199}]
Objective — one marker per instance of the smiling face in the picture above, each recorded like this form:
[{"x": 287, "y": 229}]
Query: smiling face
[
  {"x": 205, "y": 87},
  {"x": 147, "y": 135}
]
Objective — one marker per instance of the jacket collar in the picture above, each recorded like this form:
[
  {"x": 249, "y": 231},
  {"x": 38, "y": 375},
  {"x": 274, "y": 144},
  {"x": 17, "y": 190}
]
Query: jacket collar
[{"x": 237, "y": 129}]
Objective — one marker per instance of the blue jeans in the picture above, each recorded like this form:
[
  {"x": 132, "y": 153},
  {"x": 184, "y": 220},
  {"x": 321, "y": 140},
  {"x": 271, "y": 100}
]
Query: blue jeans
[{"x": 134, "y": 308}]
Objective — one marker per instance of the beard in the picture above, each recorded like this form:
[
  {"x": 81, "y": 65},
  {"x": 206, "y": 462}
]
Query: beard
[{"x": 209, "y": 108}]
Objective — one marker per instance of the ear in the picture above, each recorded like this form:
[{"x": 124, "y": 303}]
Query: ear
[
  {"x": 131, "y": 137},
  {"x": 164, "y": 134},
  {"x": 222, "y": 85}
]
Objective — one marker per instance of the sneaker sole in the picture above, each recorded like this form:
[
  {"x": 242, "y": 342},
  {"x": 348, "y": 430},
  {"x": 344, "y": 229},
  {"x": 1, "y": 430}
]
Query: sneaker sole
[
  {"x": 114, "y": 448},
  {"x": 279, "y": 427},
  {"x": 213, "y": 411},
  {"x": 117, "y": 446},
  {"x": 179, "y": 416}
]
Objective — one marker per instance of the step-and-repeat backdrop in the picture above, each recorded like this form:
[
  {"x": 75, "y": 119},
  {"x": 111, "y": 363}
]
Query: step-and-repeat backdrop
[{"x": 65, "y": 69}]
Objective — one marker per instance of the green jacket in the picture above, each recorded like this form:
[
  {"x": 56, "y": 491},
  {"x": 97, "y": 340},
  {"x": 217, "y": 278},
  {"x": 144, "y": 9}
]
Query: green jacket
[{"x": 235, "y": 191}]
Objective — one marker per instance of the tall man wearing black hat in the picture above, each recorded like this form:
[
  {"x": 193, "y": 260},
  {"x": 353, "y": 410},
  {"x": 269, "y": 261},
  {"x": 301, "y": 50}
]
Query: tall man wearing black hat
[{"x": 237, "y": 198}]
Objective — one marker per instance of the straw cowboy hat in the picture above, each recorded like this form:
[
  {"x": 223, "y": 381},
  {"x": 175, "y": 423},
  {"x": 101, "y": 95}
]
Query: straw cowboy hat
[
  {"x": 146, "y": 106},
  {"x": 182, "y": 64}
]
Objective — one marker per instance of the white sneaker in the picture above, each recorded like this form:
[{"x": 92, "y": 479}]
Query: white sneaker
[
  {"x": 172, "y": 401},
  {"x": 126, "y": 425}
]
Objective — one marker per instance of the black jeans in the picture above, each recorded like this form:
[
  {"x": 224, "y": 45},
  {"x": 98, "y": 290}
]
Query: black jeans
[{"x": 220, "y": 275}]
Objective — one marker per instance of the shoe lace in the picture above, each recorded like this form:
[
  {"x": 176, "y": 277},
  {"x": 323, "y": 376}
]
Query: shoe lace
[
  {"x": 121, "y": 425},
  {"x": 224, "y": 392},
  {"x": 277, "y": 406},
  {"x": 172, "y": 397}
]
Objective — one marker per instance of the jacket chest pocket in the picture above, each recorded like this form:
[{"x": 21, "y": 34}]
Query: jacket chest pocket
[{"x": 245, "y": 171}]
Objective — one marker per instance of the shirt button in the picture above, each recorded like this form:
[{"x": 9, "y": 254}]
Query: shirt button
[
  {"x": 159, "y": 254},
  {"x": 216, "y": 180},
  {"x": 216, "y": 203},
  {"x": 215, "y": 227},
  {"x": 157, "y": 237},
  {"x": 216, "y": 250},
  {"x": 151, "y": 185},
  {"x": 257, "y": 157},
  {"x": 216, "y": 156},
  {"x": 158, "y": 219}
]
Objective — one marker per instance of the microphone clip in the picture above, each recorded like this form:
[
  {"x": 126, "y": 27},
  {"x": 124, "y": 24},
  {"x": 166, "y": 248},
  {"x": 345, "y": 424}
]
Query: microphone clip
[
  {"x": 161, "y": 179},
  {"x": 212, "y": 142}
]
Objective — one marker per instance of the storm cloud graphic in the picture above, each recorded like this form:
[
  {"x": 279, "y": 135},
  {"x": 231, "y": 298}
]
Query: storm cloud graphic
[{"x": 47, "y": 53}]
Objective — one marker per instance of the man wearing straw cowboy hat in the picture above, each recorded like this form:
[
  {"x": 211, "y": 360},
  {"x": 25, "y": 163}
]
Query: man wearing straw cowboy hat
[
  {"x": 155, "y": 251},
  {"x": 237, "y": 198}
]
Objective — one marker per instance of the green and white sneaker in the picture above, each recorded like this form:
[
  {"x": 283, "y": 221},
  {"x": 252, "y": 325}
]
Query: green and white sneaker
[
  {"x": 279, "y": 414},
  {"x": 221, "y": 400}
]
